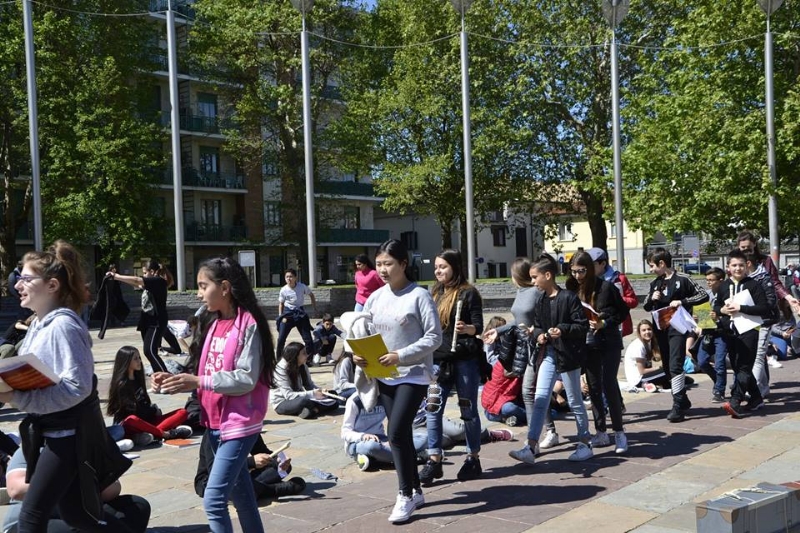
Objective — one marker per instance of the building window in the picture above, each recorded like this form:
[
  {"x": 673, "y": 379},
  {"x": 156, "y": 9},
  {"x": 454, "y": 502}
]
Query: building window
[
  {"x": 612, "y": 232},
  {"x": 352, "y": 217},
  {"x": 565, "y": 231},
  {"x": 499, "y": 235},
  {"x": 211, "y": 214},
  {"x": 272, "y": 214},
  {"x": 494, "y": 216},
  {"x": 207, "y": 105},
  {"x": 209, "y": 161}
]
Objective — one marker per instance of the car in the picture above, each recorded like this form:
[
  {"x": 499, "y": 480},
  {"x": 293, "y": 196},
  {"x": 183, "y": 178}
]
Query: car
[{"x": 694, "y": 268}]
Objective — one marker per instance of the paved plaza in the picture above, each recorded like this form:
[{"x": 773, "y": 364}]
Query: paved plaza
[{"x": 652, "y": 489}]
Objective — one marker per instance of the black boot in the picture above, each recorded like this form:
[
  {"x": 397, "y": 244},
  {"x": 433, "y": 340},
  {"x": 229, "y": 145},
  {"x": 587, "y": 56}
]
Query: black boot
[{"x": 296, "y": 485}]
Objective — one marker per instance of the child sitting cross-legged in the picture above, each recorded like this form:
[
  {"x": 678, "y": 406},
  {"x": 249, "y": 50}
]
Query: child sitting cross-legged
[{"x": 129, "y": 404}]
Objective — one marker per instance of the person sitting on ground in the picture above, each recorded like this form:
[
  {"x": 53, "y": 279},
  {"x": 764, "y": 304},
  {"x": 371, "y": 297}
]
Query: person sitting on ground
[
  {"x": 501, "y": 398},
  {"x": 344, "y": 376},
  {"x": 266, "y": 472},
  {"x": 122, "y": 513},
  {"x": 13, "y": 337},
  {"x": 639, "y": 358},
  {"x": 295, "y": 393},
  {"x": 325, "y": 334},
  {"x": 453, "y": 431},
  {"x": 129, "y": 404}
]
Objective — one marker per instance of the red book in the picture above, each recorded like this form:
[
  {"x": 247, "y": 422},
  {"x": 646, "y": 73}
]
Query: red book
[{"x": 25, "y": 372}]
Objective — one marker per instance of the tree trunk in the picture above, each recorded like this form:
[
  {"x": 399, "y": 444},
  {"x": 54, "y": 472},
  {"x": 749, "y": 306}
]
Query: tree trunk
[{"x": 597, "y": 224}]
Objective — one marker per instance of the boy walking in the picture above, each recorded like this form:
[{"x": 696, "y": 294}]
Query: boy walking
[
  {"x": 671, "y": 289},
  {"x": 742, "y": 345},
  {"x": 713, "y": 349}
]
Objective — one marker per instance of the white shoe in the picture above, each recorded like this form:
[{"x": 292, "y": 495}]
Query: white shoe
[
  {"x": 525, "y": 455},
  {"x": 773, "y": 362},
  {"x": 582, "y": 452},
  {"x": 549, "y": 440},
  {"x": 317, "y": 359},
  {"x": 125, "y": 445},
  {"x": 621, "y": 442},
  {"x": 600, "y": 439},
  {"x": 418, "y": 497},
  {"x": 403, "y": 508}
]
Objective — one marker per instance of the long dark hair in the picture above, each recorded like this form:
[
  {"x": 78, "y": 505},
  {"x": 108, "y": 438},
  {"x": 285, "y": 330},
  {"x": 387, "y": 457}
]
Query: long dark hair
[
  {"x": 122, "y": 362},
  {"x": 290, "y": 353},
  {"x": 365, "y": 260},
  {"x": 226, "y": 269},
  {"x": 446, "y": 294},
  {"x": 585, "y": 290},
  {"x": 398, "y": 251}
]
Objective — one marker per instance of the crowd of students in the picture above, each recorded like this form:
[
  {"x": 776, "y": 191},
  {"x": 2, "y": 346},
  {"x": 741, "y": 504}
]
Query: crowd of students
[{"x": 435, "y": 343}]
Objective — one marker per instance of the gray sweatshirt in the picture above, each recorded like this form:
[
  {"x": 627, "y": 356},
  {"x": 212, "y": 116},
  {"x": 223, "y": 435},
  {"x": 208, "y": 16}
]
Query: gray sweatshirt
[
  {"x": 286, "y": 390},
  {"x": 409, "y": 324},
  {"x": 61, "y": 341}
]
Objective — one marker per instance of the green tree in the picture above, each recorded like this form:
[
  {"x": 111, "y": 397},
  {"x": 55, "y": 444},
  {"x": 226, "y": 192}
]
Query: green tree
[
  {"x": 97, "y": 147},
  {"x": 696, "y": 159}
]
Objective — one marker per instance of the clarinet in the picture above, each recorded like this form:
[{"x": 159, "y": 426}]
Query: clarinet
[{"x": 459, "y": 305}]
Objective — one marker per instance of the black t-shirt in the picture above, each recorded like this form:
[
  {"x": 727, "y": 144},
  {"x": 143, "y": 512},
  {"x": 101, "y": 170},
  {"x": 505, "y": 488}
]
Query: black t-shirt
[{"x": 157, "y": 287}]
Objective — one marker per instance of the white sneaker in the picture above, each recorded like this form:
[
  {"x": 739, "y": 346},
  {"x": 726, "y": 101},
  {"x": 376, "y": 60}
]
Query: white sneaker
[
  {"x": 363, "y": 462},
  {"x": 582, "y": 452},
  {"x": 418, "y": 497},
  {"x": 525, "y": 455},
  {"x": 773, "y": 362},
  {"x": 549, "y": 440},
  {"x": 317, "y": 359},
  {"x": 621, "y": 442},
  {"x": 403, "y": 508},
  {"x": 600, "y": 439},
  {"x": 125, "y": 445}
]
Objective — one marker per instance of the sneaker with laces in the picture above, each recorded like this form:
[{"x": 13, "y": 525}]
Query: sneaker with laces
[
  {"x": 363, "y": 462},
  {"x": 294, "y": 486},
  {"x": 511, "y": 421},
  {"x": 525, "y": 455},
  {"x": 550, "y": 439},
  {"x": 582, "y": 452},
  {"x": 317, "y": 360},
  {"x": 500, "y": 435},
  {"x": 432, "y": 470},
  {"x": 773, "y": 362},
  {"x": 754, "y": 405},
  {"x": 182, "y": 432},
  {"x": 125, "y": 445},
  {"x": 403, "y": 508},
  {"x": 418, "y": 497},
  {"x": 471, "y": 469},
  {"x": 620, "y": 442},
  {"x": 600, "y": 439},
  {"x": 717, "y": 397},
  {"x": 143, "y": 439}
]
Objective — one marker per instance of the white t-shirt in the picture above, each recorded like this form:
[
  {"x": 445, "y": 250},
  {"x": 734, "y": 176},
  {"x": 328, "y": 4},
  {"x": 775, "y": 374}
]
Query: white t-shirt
[
  {"x": 293, "y": 298},
  {"x": 636, "y": 353}
]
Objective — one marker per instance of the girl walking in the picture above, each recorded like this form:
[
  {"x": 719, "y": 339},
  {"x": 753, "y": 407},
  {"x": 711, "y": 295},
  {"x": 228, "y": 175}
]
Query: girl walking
[
  {"x": 406, "y": 316},
  {"x": 233, "y": 378}
]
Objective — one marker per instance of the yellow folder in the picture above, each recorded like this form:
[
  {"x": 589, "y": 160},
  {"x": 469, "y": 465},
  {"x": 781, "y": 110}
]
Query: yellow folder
[
  {"x": 372, "y": 348},
  {"x": 703, "y": 314}
]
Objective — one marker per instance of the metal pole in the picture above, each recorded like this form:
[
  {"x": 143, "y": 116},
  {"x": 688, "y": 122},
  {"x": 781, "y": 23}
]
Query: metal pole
[
  {"x": 467, "y": 153},
  {"x": 772, "y": 206},
  {"x": 175, "y": 123},
  {"x": 617, "y": 153},
  {"x": 33, "y": 124},
  {"x": 309, "y": 160}
]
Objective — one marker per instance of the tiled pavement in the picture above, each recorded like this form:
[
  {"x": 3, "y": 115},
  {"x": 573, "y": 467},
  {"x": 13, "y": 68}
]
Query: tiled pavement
[{"x": 652, "y": 489}]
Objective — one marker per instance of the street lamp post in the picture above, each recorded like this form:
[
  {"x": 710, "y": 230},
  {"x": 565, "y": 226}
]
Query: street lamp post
[
  {"x": 175, "y": 136},
  {"x": 462, "y": 6},
  {"x": 614, "y": 11},
  {"x": 304, "y": 6},
  {"x": 769, "y": 7},
  {"x": 33, "y": 123}
]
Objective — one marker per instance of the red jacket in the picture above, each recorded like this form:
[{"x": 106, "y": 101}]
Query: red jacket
[
  {"x": 500, "y": 390},
  {"x": 628, "y": 295}
]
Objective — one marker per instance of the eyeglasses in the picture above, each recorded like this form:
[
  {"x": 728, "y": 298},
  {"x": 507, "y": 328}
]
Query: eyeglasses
[
  {"x": 28, "y": 280},
  {"x": 578, "y": 271}
]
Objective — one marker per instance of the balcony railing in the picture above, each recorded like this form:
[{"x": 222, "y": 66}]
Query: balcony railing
[
  {"x": 345, "y": 188},
  {"x": 194, "y": 231},
  {"x": 191, "y": 177},
  {"x": 179, "y": 6},
  {"x": 354, "y": 236}
]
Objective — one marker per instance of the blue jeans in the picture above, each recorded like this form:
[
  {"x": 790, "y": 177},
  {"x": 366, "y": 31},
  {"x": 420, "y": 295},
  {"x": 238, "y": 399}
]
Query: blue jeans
[
  {"x": 116, "y": 432},
  {"x": 359, "y": 307},
  {"x": 379, "y": 451},
  {"x": 466, "y": 378},
  {"x": 545, "y": 379},
  {"x": 509, "y": 409},
  {"x": 229, "y": 479},
  {"x": 716, "y": 370}
]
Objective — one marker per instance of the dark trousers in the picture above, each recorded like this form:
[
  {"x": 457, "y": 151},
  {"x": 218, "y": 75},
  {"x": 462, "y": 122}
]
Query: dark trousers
[
  {"x": 151, "y": 337},
  {"x": 602, "y": 366},
  {"x": 174, "y": 346},
  {"x": 285, "y": 325},
  {"x": 673, "y": 355},
  {"x": 295, "y": 405},
  {"x": 742, "y": 353},
  {"x": 401, "y": 403}
]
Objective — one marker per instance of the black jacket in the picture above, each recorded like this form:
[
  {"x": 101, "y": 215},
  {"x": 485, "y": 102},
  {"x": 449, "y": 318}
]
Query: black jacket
[
  {"x": 728, "y": 288},
  {"x": 565, "y": 312},
  {"x": 513, "y": 347},
  {"x": 678, "y": 287},
  {"x": 468, "y": 346},
  {"x": 109, "y": 303},
  {"x": 610, "y": 306}
]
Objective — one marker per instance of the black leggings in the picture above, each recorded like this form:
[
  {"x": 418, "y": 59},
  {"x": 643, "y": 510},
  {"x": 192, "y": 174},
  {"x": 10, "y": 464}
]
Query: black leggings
[
  {"x": 174, "y": 345},
  {"x": 602, "y": 366},
  {"x": 55, "y": 484},
  {"x": 401, "y": 403},
  {"x": 132, "y": 511},
  {"x": 151, "y": 337},
  {"x": 295, "y": 405}
]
